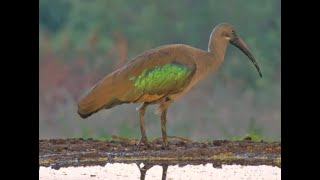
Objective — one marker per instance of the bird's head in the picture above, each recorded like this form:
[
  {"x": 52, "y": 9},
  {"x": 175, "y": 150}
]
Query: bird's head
[{"x": 228, "y": 32}]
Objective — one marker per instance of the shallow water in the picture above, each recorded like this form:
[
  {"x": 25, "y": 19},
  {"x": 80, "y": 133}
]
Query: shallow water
[{"x": 149, "y": 171}]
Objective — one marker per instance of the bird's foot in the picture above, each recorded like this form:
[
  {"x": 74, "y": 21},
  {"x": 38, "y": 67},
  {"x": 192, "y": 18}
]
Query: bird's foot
[
  {"x": 165, "y": 146},
  {"x": 143, "y": 140}
]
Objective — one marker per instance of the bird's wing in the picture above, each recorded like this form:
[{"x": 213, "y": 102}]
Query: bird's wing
[
  {"x": 155, "y": 74},
  {"x": 158, "y": 81},
  {"x": 150, "y": 76}
]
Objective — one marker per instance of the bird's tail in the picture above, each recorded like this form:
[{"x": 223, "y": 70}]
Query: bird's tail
[{"x": 102, "y": 95}]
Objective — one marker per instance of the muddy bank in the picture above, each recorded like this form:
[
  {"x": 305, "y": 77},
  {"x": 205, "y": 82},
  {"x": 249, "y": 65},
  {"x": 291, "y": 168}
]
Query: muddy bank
[{"x": 58, "y": 153}]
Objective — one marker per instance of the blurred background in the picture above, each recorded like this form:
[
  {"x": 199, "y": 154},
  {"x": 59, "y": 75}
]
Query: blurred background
[{"x": 82, "y": 41}]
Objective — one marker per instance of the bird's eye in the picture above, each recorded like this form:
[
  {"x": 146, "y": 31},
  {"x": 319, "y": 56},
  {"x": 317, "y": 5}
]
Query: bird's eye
[{"x": 232, "y": 31}]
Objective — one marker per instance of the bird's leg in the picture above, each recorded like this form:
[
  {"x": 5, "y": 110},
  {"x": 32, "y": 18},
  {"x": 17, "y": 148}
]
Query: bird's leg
[
  {"x": 163, "y": 108},
  {"x": 142, "y": 111},
  {"x": 163, "y": 128}
]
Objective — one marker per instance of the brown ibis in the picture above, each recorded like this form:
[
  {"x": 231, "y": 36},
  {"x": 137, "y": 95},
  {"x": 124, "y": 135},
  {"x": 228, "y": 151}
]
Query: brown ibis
[{"x": 161, "y": 76}]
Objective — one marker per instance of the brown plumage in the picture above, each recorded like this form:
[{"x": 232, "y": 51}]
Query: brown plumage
[{"x": 160, "y": 76}]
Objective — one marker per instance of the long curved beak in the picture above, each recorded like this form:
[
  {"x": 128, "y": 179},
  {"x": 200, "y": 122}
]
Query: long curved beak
[{"x": 238, "y": 42}]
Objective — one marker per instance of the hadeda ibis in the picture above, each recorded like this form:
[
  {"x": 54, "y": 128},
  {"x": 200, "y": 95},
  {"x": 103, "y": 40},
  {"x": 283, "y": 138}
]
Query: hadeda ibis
[{"x": 160, "y": 76}]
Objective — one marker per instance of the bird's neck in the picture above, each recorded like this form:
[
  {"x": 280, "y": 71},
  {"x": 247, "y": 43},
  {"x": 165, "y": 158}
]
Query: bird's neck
[{"x": 217, "y": 47}]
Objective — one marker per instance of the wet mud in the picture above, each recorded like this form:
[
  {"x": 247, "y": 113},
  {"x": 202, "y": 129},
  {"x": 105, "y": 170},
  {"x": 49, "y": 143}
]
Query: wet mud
[{"x": 58, "y": 153}]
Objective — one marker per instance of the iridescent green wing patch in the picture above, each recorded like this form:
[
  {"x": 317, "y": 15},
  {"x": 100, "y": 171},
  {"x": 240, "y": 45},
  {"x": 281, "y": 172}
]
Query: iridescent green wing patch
[{"x": 163, "y": 79}]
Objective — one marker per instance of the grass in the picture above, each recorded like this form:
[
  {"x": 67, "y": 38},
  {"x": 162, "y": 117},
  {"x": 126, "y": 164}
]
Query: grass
[
  {"x": 125, "y": 130},
  {"x": 85, "y": 132},
  {"x": 253, "y": 131},
  {"x": 102, "y": 134}
]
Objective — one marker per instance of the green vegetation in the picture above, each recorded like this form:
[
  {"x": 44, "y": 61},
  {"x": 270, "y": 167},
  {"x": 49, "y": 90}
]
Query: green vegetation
[
  {"x": 82, "y": 41},
  {"x": 128, "y": 132},
  {"x": 253, "y": 131},
  {"x": 150, "y": 24}
]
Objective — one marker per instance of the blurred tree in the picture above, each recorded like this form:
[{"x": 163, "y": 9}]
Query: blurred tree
[
  {"x": 92, "y": 38},
  {"x": 53, "y": 14}
]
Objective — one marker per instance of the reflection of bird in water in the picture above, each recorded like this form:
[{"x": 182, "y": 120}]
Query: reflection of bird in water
[{"x": 143, "y": 170}]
